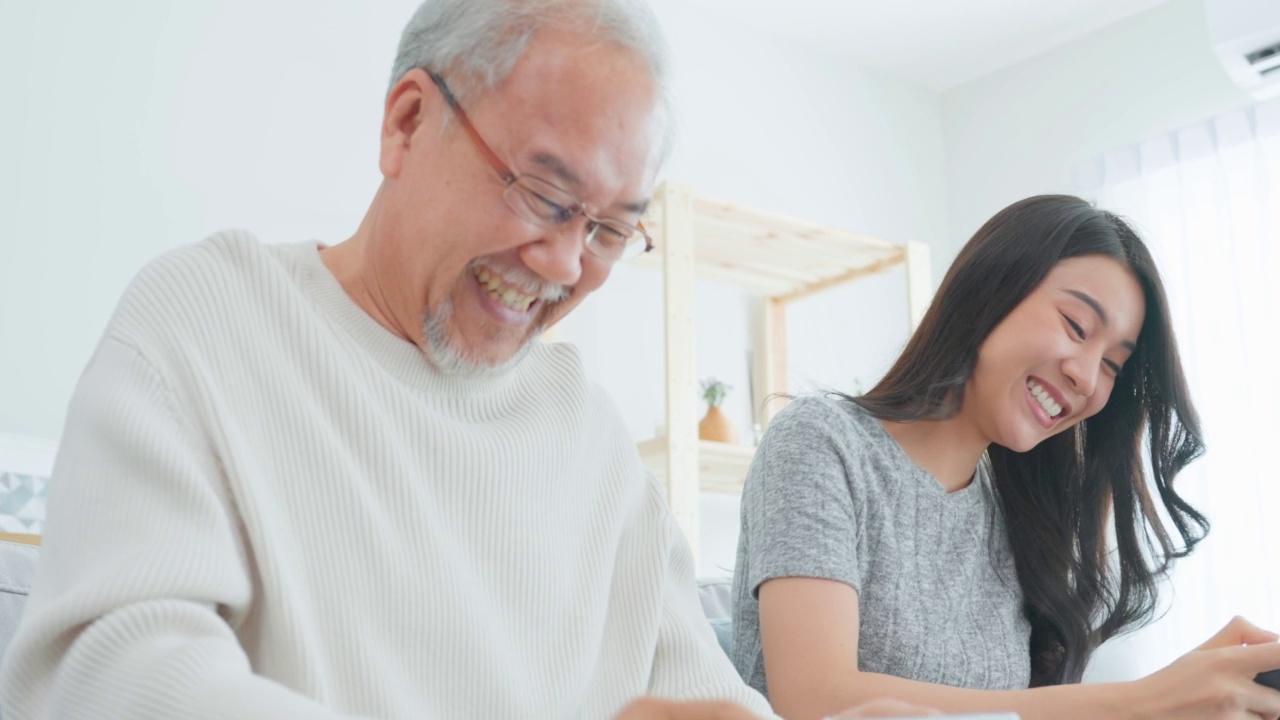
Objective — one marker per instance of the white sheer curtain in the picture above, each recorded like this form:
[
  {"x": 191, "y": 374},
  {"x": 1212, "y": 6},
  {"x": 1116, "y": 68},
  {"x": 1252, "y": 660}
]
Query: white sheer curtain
[{"x": 1207, "y": 200}]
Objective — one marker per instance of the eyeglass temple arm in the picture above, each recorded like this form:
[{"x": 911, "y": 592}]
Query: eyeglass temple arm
[{"x": 505, "y": 172}]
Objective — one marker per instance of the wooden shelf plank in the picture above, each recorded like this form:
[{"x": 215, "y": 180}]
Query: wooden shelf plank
[
  {"x": 770, "y": 254},
  {"x": 778, "y": 259},
  {"x": 722, "y": 468},
  {"x": 679, "y": 269}
]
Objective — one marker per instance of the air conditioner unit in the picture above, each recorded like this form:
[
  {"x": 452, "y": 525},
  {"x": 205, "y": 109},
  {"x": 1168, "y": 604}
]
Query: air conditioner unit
[{"x": 1246, "y": 38}]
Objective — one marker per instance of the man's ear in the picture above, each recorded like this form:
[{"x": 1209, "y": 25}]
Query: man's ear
[{"x": 408, "y": 105}]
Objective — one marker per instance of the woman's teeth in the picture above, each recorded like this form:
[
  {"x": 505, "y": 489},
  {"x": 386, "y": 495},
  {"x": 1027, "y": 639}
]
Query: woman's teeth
[
  {"x": 504, "y": 294},
  {"x": 1044, "y": 398}
]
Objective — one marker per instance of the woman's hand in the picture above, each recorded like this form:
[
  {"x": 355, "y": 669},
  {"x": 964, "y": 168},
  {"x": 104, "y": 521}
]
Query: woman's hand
[
  {"x": 885, "y": 709},
  {"x": 1215, "y": 681},
  {"x": 1239, "y": 632},
  {"x": 652, "y": 708}
]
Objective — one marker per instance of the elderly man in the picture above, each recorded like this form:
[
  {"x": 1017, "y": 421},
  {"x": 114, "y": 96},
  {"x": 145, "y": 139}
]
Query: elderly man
[{"x": 310, "y": 481}]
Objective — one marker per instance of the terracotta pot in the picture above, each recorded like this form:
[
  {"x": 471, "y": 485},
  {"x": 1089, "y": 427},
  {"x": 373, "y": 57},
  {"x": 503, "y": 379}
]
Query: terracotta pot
[{"x": 716, "y": 426}]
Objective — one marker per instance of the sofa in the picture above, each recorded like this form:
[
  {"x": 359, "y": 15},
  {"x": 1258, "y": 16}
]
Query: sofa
[
  {"x": 716, "y": 595},
  {"x": 17, "y": 570}
]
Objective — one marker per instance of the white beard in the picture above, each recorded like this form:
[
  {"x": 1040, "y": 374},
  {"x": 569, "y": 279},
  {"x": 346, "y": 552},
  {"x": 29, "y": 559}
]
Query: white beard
[{"x": 454, "y": 361}]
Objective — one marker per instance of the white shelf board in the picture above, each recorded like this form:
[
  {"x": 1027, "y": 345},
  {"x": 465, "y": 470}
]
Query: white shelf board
[
  {"x": 772, "y": 255},
  {"x": 722, "y": 468}
]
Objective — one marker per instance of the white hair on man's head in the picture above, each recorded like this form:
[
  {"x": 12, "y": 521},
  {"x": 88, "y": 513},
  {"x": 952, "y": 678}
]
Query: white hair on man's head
[{"x": 479, "y": 41}]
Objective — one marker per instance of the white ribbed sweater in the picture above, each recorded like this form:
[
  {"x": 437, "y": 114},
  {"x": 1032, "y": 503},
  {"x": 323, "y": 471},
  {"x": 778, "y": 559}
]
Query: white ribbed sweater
[{"x": 266, "y": 505}]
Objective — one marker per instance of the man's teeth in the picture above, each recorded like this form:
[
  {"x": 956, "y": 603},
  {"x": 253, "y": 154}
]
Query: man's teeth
[
  {"x": 1044, "y": 398},
  {"x": 510, "y": 297}
]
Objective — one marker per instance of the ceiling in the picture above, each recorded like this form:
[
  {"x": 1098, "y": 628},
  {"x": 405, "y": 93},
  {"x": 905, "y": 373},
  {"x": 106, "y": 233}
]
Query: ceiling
[{"x": 937, "y": 43}]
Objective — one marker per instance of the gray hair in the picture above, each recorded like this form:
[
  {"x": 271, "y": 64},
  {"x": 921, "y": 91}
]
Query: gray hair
[{"x": 481, "y": 40}]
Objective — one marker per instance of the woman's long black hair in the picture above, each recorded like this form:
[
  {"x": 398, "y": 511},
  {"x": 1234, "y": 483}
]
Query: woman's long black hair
[{"x": 1059, "y": 497}]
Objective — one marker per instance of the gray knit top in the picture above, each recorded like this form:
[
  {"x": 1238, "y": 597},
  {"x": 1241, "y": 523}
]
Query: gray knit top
[{"x": 830, "y": 494}]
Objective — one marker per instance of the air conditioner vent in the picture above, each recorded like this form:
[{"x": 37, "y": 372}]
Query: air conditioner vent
[
  {"x": 1264, "y": 56},
  {"x": 1246, "y": 38}
]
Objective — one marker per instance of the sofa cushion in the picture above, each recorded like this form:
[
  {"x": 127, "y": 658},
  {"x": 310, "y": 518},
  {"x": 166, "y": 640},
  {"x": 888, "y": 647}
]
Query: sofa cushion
[
  {"x": 716, "y": 594},
  {"x": 17, "y": 571},
  {"x": 723, "y": 628}
]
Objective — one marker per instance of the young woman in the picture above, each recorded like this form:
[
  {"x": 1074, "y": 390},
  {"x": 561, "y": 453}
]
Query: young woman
[{"x": 966, "y": 534}]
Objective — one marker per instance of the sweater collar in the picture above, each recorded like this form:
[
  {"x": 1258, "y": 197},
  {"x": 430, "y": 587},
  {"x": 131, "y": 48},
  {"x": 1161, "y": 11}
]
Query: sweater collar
[{"x": 398, "y": 356}]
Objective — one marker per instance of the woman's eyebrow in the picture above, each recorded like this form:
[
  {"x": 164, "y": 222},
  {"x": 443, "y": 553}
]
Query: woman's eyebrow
[{"x": 1089, "y": 300}]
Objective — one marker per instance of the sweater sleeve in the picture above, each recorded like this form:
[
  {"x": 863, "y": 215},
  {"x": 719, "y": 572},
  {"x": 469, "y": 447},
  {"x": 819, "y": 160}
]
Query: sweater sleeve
[
  {"x": 142, "y": 570},
  {"x": 688, "y": 663}
]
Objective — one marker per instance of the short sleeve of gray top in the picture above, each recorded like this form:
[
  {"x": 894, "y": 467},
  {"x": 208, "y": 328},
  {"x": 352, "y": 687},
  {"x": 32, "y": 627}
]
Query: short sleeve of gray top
[{"x": 830, "y": 494}]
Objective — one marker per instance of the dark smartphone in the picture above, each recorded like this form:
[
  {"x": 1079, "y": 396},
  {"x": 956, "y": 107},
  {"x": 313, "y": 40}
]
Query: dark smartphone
[{"x": 1271, "y": 679}]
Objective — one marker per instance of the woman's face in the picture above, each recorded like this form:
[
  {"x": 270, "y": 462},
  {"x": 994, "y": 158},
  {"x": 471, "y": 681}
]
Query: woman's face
[{"x": 1053, "y": 361}]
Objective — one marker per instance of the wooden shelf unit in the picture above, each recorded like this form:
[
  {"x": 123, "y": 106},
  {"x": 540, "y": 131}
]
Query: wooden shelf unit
[
  {"x": 780, "y": 260},
  {"x": 721, "y": 467}
]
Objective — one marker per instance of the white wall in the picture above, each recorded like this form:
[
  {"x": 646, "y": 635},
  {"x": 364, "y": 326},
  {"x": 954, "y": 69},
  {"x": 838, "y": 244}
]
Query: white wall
[
  {"x": 1018, "y": 132},
  {"x": 768, "y": 123},
  {"x": 128, "y": 128},
  {"x": 131, "y": 127}
]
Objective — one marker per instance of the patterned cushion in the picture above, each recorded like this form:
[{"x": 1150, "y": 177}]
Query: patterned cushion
[{"x": 22, "y": 500}]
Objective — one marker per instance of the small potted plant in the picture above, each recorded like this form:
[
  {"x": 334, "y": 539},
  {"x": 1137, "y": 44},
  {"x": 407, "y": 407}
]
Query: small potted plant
[{"x": 715, "y": 425}]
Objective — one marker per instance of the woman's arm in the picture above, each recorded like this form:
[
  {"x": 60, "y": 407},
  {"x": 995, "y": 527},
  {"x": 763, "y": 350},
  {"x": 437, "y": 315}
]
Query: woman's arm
[{"x": 809, "y": 629}]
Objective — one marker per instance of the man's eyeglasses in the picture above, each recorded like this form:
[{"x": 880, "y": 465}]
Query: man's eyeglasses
[{"x": 538, "y": 201}]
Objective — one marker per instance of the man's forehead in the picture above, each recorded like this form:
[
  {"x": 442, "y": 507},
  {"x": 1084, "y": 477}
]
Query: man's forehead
[{"x": 587, "y": 116}]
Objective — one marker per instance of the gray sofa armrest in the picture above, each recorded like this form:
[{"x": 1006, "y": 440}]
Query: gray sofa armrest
[{"x": 17, "y": 571}]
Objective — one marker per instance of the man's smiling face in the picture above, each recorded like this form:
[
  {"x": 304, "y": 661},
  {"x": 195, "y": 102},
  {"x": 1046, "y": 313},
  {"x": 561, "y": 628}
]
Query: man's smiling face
[{"x": 478, "y": 281}]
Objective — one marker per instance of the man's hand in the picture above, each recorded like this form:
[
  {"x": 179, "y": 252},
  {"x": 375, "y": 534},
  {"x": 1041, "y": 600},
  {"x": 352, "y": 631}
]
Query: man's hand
[{"x": 650, "y": 708}]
